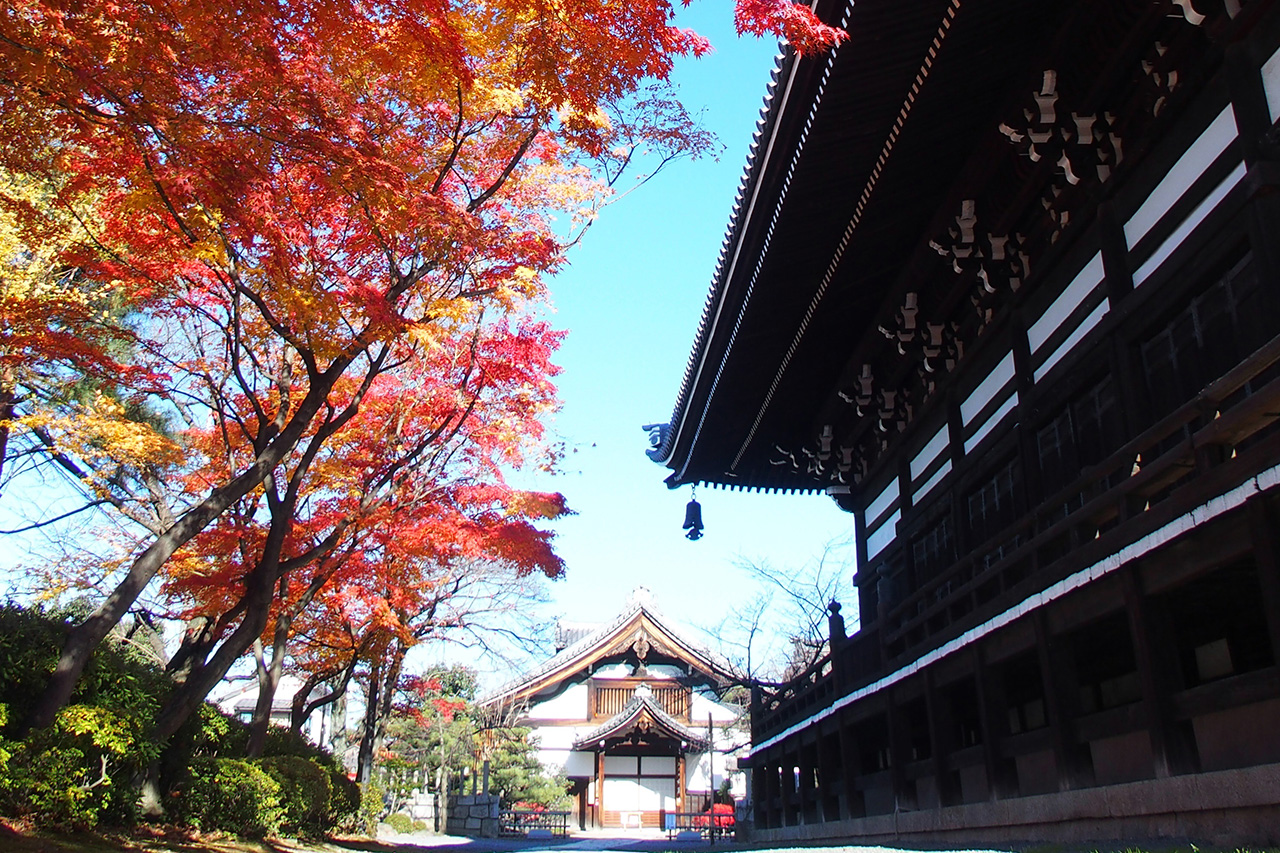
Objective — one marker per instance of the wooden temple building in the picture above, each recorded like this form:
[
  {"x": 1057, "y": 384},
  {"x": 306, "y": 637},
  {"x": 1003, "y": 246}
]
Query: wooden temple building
[
  {"x": 629, "y": 711},
  {"x": 1003, "y": 279}
]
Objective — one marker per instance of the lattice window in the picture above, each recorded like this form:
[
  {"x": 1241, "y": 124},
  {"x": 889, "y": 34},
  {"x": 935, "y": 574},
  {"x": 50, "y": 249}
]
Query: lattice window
[
  {"x": 1084, "y": 432},
  {"x": 1213, "y": 333},
  {"x": 934, "y": 550},
  {"x": 991, "y": 505}
]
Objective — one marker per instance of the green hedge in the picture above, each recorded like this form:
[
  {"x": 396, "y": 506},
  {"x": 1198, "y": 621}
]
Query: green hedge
[
  {"x": 83, "y": 770},
  {"x": 344, "y": 805},
  {"x": 79, "y": 771},
  {"x": 306, "y": 791},
  {"x": 229, "y": 794}
]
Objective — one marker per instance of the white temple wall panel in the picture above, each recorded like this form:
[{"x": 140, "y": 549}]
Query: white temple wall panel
[
  {"x": 570, "y": 704},
  {"x": 1071, "y": 298},
  {"x": 1220, "y": 133},
  {"x": 989, "y": 389}
]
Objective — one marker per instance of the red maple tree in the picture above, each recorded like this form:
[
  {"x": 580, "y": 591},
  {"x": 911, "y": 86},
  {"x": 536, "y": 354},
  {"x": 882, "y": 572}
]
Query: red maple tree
[{"x": 290, "y": 198}]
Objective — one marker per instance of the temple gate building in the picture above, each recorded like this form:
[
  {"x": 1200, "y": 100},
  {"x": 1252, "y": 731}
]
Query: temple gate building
[
  {"x": 1003, "y": 279},
  {"x": 629, "y": 712}
]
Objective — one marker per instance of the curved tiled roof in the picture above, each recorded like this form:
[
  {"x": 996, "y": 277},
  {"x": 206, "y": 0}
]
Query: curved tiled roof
[
  {"x": 638, "y": 705},
  {"x": 576, "y": 654}
]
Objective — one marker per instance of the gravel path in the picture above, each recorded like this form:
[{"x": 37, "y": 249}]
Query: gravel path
[{"x": 593, "y": 842}]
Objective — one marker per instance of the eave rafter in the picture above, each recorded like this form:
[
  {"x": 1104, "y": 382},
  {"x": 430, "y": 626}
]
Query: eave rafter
[{"x": 1045, "y": 148}]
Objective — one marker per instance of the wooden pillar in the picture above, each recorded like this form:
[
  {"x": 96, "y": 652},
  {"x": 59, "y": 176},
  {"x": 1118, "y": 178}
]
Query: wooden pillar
[
  {"x": 600, "y": 788},
  {"x": 1266, "y": 553},
  {"x": 1248, "y": 100},
  {"x": 1118, "y": 284},
  {"x": 682, "y": 784},
  {"x": 1055, "y": 683},
  {"x": 941, "y": 741},
  {"x": 830, "y": 781},
  {"x": 851, "y": 797},
  {"x": 787, "y": 784},
  {"x": 990, "y": 704},
  {"x": 808, "y": 804},
  {"x": 955, "y": 448},
  {"x": 1170, "y": 753},
  {"x": 1028, "y": 489},
  {"x": 914, "y": 580},
  {"x": 760, "y": 795},
  {"x": 1242, "y": 67},
  {"x": 897, "y": 750}
]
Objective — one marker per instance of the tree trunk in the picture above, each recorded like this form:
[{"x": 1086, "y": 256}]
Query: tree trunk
[
  {"x": 384, "y": 675},
  {"x": 8, "y": 404},
  {"x": 268, "y": 681},
  {"x": 338, "y": 737},
  {"x": 259, "y": 592},
  {"x": 85, "y": 637},
  {"x": 364, "y": 758}
]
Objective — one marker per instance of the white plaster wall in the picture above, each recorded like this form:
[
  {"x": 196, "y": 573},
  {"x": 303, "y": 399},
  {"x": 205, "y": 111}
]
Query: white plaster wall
[
  {"x": 929, "y": 452},
  {"x": 696, "y": 767},
  {"x": 555, "y": 737},
  {"x": 558, "y": 757},
  {"x": 580, "y": 764},
  {"x": 1271, "y": 84},
  {"x": 991, "y": 423},
  {"x": 616, "y": 670},
  {"x": 943, "y": 470},
  {"x": 999, "y": 377},
  {"x": 569, "y": 705},
  {"x": 1069, "y": 300},
  {"x": 1086, "y": 326},
  {"x": 665, "y": 671},
  {"x": 703, "y": 705},
  {"x": 1190, "y": 166},
  {"x": 882, "y": 501},
  {"x": 880, "y": 538},
  {"x": 555, "y": 760}
]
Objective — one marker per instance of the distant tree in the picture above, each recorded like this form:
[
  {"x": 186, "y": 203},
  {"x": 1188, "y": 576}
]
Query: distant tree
[
  {"x": 438, "y": 733},
  {"x": 516, "y": 774},
  {"x": 781, "y": 630}
]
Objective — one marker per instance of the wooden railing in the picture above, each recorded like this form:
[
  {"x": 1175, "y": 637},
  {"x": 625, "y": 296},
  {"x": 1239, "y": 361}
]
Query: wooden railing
[
  {"x": 1084, "y": 515},
  {"x": 532, "y": 822},
  {"x": 672, "y": 698},
  {"x": 719, "y": 825},
  {"x": 1218, "y": 440}
]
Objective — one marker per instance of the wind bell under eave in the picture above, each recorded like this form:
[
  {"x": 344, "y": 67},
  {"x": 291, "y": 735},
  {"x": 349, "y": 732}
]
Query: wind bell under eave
[{"x": 693, "y": 517}]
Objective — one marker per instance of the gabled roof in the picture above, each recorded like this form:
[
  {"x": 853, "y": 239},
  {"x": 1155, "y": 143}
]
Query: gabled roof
[
  {"x": 643, "y": 713},
  {"x": 640, "y": 619}
]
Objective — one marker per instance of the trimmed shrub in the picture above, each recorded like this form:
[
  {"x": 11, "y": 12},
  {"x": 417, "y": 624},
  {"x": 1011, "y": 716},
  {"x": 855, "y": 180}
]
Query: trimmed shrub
[
  {"x": 80, "y": 770},
  {"x": 372, "y": 805},
  {"x": 216, "y": 733},
  {"x": 344, "y": 802},
  {"x": 305, "y": 793},
  {"x": 231, "y": 795},
  {"x": 400, "y": 822}
]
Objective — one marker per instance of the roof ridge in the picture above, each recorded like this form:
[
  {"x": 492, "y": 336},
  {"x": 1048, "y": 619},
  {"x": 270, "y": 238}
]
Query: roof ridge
[{"x": 581, "y": 646}]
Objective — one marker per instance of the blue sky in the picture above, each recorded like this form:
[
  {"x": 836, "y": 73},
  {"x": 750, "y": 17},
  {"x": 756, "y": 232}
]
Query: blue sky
[{"x": 631, "y": 300}]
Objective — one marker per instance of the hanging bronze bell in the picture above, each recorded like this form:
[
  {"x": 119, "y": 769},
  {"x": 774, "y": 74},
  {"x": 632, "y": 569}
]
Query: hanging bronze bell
[{"x": 693, "y": 521}]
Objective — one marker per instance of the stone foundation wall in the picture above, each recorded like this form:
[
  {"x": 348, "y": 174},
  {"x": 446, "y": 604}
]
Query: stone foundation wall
[
  {"x": 1230, "y": 808},
  {"x": 421, "y": 805},
  {"x": 473, "y": 814}
]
